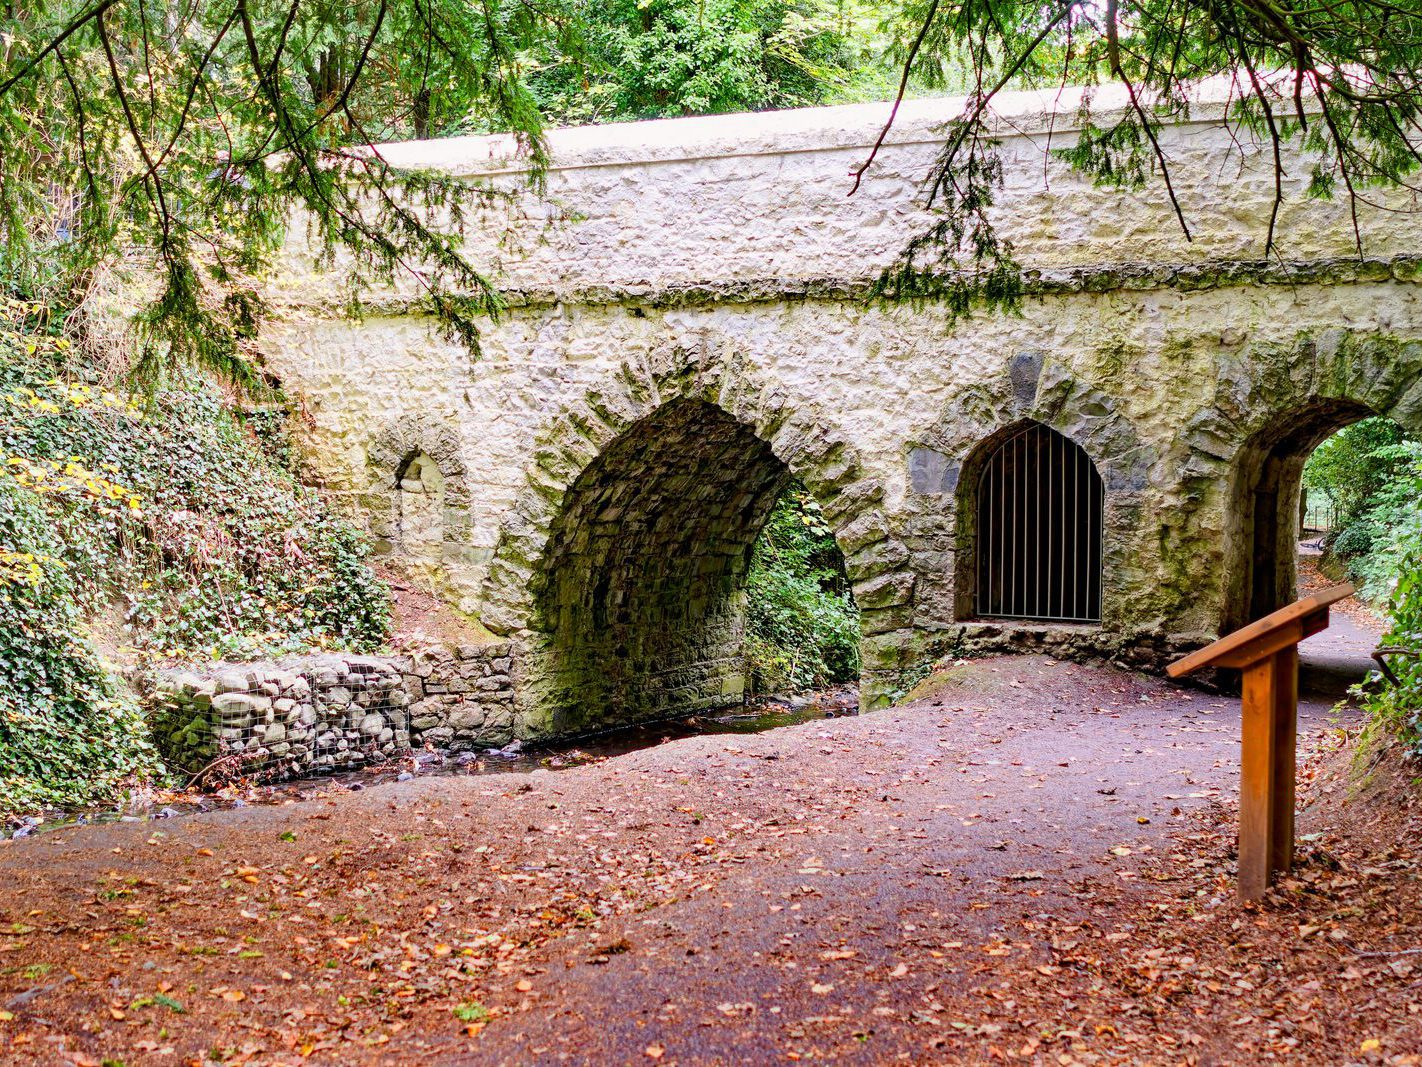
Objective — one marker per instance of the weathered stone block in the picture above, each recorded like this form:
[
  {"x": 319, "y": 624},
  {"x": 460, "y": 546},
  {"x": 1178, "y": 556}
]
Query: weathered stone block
[
  {"x": 888, "y": 590},
  {"x": 232, "y": 682},
  {"x": 467, "y": 717}
]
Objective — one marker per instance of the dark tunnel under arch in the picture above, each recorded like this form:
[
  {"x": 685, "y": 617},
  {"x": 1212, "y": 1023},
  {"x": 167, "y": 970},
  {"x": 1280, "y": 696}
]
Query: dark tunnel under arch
[{"x": 639, "y": 603}]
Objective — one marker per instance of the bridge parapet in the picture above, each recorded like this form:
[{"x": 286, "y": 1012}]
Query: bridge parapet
[{"x": 755, "y": 206}]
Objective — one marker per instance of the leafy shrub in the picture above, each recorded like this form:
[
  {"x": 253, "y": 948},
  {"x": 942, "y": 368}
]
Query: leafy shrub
[
  {"x": 172, "y": 511},
  {"x": 802, "y": 628},
  {"x": 1373, "y": 540},
  {"x": 1354, "y": 465},
  {"x": 1376, "y": 480},
  {"x": 176, "y": 508},
  {"x": 67, "y": 735},
  {"x": 1355, "y": 539},
  {"x": 1397, "y": 709}
]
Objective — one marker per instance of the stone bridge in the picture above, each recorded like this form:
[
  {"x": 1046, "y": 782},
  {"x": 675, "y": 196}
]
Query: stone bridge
[{"x": 689, "y": 327}]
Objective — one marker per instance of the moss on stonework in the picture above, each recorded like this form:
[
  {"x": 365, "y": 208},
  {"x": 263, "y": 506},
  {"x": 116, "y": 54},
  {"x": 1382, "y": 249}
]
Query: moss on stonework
[
  {"x": 1133, "y": 277},
  {"x": 1112, "y": 358}
]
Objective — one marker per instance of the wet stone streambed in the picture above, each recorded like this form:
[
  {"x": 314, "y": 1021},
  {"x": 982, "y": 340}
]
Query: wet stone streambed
[{"x": 756, "y": 716}]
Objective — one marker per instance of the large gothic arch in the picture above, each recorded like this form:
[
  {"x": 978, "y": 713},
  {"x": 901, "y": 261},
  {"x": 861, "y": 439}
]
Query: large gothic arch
[{"x": 618, "y": 569}]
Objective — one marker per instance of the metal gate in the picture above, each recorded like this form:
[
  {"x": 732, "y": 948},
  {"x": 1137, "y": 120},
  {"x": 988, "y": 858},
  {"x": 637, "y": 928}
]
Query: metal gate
[{"x": 1039, "y": 530}]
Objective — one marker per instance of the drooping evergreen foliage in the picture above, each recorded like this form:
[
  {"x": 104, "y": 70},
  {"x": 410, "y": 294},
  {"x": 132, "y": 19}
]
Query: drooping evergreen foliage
[
  {"x": 1341, "y": 79},
  {"x": 802, "y": 628},
  {"x": 180, "y": 135},
  {"x": 184, "y": 133}
]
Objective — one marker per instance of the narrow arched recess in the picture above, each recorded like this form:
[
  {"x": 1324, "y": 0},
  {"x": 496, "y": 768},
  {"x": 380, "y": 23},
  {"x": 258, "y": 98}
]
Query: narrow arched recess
[
  {"x": 638, "y": 605},
  {"x": 419, "y": 514}
]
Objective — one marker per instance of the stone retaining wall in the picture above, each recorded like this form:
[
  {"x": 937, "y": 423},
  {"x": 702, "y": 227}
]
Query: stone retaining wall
[
  {"x": 327, "y": 713},
  {"x": 462, "y": 697}
]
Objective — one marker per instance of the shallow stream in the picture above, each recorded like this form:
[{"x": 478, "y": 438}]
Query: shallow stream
[{"x": 765, "y": 713}]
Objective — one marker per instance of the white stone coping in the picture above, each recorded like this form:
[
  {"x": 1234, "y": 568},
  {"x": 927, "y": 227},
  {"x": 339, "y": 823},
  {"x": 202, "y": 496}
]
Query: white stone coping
[{"x": 817, "y": 129}]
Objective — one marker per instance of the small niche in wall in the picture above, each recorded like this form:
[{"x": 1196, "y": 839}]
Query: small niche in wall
[{"x": 419, "y": 526}]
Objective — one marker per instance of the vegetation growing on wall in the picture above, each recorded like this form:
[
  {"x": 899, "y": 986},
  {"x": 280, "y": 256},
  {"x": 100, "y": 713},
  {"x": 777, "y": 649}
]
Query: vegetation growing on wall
[
  {"x": 158, "y": 530},
  {"x": 802, "y": 628}
]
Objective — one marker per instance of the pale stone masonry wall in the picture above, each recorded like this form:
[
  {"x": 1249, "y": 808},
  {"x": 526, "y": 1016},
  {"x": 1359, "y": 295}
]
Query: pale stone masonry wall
[{"x": 716, "y": 266}]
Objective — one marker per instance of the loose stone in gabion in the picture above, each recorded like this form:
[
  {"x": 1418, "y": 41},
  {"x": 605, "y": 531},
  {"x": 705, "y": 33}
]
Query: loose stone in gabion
[{"x": 322, "y": 714}]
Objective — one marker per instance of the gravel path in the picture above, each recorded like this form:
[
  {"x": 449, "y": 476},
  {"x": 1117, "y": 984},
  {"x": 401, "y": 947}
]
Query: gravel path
[{"x": 1340, "y": 656}]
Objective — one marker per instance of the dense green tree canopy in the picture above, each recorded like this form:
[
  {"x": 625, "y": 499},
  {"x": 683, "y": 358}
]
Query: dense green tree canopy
[
  {"x": 1355, "y": 464},
  {"x": 661, "y": 58}
]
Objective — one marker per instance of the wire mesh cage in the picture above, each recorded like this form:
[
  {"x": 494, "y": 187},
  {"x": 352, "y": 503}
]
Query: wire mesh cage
[{"x": 272, "y": 721}]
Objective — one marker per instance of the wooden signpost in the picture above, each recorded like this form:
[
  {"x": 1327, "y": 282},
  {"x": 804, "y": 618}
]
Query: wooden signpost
[{"x": 1268, "y": 654}]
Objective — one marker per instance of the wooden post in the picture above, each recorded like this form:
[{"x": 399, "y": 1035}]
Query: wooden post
[
  {"x": 1267, "y": 652},
  {"x": 1284, "y": 671}
]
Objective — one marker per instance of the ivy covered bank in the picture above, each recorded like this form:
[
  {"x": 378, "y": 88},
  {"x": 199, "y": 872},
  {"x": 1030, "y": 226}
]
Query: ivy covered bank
[{"x": 144, "y": 529}]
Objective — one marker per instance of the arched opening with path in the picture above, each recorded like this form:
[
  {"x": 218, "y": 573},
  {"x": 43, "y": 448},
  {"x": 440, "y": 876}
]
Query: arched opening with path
[
  {"x": 639, "y": 601},
  {"x": 1031, "y": 529},
  {"x": 1264, "y": 524},
  {"x": 1287, "y": 542}
]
